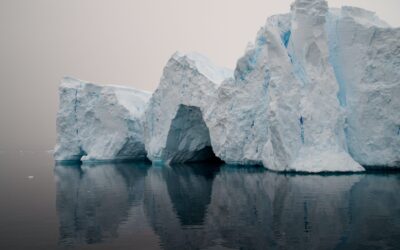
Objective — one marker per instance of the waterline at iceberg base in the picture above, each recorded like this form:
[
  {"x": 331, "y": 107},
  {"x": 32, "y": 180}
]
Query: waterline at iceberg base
[{"x": 318, "y": 91}]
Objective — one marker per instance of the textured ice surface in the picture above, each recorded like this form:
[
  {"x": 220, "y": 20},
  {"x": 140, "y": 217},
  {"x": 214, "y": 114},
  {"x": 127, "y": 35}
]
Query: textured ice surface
[
  {"x": 321, "y": 119},
  {"x": 365, "y": 53},
  {"x": 98, "y": 123},
  {"x": 317, "y": 91},
  {"x": 177, "y": 117}
]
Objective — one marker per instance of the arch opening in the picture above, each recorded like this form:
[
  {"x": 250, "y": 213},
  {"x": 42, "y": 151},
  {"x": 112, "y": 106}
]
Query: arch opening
[{"x": 189, "y": 138}]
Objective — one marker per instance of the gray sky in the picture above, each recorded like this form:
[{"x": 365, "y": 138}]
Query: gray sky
[{"x": 120, "y": 42}]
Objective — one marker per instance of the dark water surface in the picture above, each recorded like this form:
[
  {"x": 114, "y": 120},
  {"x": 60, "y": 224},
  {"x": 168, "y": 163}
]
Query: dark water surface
[{"x": 139, "y": 206}]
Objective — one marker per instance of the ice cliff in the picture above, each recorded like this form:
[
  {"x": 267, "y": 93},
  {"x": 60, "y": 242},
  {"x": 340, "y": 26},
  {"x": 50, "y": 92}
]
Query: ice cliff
[
  {"x": 317, "y": 91},
  {"x": 365, "y": 54},
  {"x": 99, "y": 123}
]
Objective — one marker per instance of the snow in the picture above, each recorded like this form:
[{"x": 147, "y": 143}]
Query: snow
[
  {"x": 316, "y": 92},
  {"x": 99, "y": 123}
]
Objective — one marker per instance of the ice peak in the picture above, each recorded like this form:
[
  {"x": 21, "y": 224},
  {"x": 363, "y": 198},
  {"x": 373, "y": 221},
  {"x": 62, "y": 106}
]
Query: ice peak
[
  {"x": 71, "y": 82},
  {"x": 204, "y": 65},
  {"x": 310, "y": 7},
  {"x": 364, "y": 17}
]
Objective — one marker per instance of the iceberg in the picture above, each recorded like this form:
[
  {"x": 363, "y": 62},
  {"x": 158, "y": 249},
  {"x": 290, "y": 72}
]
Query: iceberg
[
  {"x": 99, "y": 123},
  {"x": 317, "y": 91},
  {"x": 177, "y": 126},
  {"x": 266, "y": 113}
]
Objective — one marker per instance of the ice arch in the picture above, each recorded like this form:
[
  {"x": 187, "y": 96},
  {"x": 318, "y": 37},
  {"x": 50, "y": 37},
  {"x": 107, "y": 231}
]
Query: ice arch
[
  {"x": 179, "y": 119},
  {"x": 188, "y": 138}
]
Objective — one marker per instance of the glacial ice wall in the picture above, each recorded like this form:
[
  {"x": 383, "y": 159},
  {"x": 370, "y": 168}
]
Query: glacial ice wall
[
  {"x": 365, "y": 53},
  {"x": 317, "y": 91},
  {"x": 99, "y": 123}
]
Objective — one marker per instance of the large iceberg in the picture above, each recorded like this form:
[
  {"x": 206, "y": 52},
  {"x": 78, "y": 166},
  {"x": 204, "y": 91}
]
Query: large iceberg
[
  {"x": 317, "y": 91},
  {"x": 99, "y": 123}
]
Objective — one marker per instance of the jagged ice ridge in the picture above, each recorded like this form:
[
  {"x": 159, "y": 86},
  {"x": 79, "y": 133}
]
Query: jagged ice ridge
[{"x": 318, "y": 91}]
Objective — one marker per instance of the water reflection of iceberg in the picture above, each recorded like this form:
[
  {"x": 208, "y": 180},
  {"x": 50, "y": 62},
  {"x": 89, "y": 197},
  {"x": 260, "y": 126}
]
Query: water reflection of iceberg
[
  {"x": 312, "y": 212},
  {"x": 249, "y": 209},
  {"x": 375, "y": 214},
  {"x": 176, "y": 201},
  {"x": 203, "y": 206},
  {"x": 92, "y": 201}
]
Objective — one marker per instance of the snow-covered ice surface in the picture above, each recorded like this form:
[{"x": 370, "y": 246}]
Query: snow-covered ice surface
[
  {"x": 318, "y": 91},
  {"x": 99, "y": 123}
]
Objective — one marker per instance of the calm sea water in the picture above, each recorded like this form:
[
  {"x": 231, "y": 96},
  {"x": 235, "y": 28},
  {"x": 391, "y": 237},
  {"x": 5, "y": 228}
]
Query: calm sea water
[{"x": 139, "y": 206}]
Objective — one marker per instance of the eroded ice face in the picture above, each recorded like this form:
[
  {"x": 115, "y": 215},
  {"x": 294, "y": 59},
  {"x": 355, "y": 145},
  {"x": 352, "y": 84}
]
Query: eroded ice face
[
  {"x": 317, "y": 91},
  {"x": 99, "y": 123}
]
